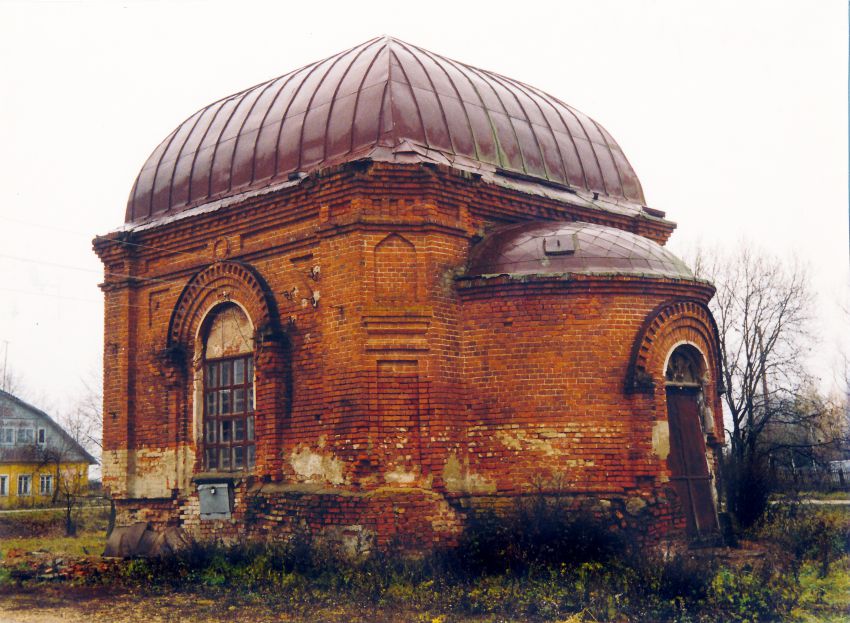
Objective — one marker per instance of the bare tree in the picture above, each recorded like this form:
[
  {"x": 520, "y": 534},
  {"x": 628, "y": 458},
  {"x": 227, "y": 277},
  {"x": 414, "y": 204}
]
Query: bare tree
[
  {"x": 84, "y": 420},
  {"x": 18, "y": 385},
  {"x": 807, "y": 435},
  {"x": 12, "y": 382},
  {"x": 763, "y": 308},
  {"x": 63, "y": 457},
  {"x": 84, "y": 424}
]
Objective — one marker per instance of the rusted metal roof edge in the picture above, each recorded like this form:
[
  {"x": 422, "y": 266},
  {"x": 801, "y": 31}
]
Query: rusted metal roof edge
[
  {"x": 410, "y": 153},
  {"x": 566, "y": 276}
]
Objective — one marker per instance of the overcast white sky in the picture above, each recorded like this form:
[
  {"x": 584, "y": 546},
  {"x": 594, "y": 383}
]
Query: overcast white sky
[{"x": 733, "y": 114}]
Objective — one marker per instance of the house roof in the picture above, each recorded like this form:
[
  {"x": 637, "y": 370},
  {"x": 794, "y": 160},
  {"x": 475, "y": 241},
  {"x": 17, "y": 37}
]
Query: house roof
[
  {"x": 70, "y": 443},
  {"x": 384, "y": 100}
]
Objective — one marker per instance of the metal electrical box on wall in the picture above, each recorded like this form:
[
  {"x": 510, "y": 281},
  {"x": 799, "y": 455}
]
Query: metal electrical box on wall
[{"x": 216, "y": 500}]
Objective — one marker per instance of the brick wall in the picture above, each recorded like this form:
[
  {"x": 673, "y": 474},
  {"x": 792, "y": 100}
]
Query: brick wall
[{"x": 391, "y": 393}]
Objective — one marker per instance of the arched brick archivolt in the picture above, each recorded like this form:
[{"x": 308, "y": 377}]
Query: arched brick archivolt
[
  {"x": 670, "y": 324},
  {"x": 222, "y": 282},
  {"x": 239, "y": 284}
]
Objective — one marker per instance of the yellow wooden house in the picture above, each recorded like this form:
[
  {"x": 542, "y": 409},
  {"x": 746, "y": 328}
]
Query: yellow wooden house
[{"x": 40, "y": 463}]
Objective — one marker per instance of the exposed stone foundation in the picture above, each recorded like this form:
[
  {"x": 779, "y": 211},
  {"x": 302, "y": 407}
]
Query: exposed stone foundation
[{"x": 401, "y": 520}]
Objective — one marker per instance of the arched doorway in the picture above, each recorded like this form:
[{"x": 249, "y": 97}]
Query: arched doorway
[{"x": 687, "y": 460}]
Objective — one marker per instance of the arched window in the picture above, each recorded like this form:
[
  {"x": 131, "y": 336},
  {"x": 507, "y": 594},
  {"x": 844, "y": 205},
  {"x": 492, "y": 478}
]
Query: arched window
[{"x": 228, "y": 372}]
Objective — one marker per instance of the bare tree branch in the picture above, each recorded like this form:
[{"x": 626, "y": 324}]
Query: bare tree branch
[{"x": 763, "y": 307}]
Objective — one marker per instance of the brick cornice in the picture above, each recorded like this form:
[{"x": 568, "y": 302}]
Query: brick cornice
[{"x": 488, "y": 288}]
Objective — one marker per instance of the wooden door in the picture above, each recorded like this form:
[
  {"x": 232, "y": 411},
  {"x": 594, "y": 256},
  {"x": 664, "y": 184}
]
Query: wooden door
[{"x": 688, "y": 465}]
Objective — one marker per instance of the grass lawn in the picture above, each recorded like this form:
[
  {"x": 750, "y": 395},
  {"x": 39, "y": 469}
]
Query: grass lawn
[
  {"x": 825, "y": 600},
  {"x": 832, "y": 495},
  {"x": 814, "y": 495},
  {"x": 84, "y": 544},
  {"x": 43, "y": 530}
]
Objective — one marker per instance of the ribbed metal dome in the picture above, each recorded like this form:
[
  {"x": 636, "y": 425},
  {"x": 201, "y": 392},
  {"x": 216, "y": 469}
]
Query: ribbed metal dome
[
  {"x": 389, "y": 101},
  {"x": 554, "y": 248}
]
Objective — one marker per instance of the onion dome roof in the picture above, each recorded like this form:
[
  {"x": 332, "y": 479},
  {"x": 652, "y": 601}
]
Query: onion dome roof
[
  {"x": 571, "y": 248},
  {"x": 385, "y": 100}
]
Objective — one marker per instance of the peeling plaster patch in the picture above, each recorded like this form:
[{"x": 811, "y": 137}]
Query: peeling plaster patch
[
  {"x": 316, "y": 467},
  {"x": 476, "y": 483},
  {"x": 155, "y": 473},
  {"x": 522, "y": 441},
  {"x": 399, "y": 476},
  {"x": 661, "y": 442},
  {"x": 511, "y": 442},
  {"x": 452, "y": 474},
  {"x": 459, "y": 479},
  {"x": 114, "y": 465},
  {"x": 147, "y": 472},
  {"x": 708, "y": 419}
]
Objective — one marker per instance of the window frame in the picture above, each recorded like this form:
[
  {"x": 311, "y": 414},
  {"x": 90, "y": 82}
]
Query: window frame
[
  {"x": 4, "y": 485},
  {"x": 31, "y": 436},
  {"x": 220, "y": 419},
  {"x": 28, "y": 479},
  {"x": 42, "y": 490},
  {"x": 41, "y": 436}
]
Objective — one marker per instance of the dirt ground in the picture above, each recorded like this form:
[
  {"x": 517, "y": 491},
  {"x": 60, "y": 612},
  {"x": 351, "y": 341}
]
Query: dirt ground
[{"x": 87, "y": 605}]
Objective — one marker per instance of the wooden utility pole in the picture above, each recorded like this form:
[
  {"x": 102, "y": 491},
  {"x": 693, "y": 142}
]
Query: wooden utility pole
[{"x": 5, "y": 362}]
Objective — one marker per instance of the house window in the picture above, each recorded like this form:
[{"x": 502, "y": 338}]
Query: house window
[
  {"x": 24, "y": 485},
  {"x": 4, "y": 485},
  {"x": 26, "y": 436},
  {"x": 45, "y": 484},
  {"x": 7, "y": 436},
  {"x": 228, "y": 401},
  {"x": 42, "y": 434}
]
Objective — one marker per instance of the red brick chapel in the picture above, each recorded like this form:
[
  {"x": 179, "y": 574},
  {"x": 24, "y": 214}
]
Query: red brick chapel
[{"x": 370, "y": 295}]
